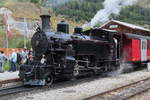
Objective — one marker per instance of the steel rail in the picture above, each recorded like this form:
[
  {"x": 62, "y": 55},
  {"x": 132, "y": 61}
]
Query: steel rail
[
  {"x": 137, "y": 93},
  {"x": 98, "y": 96},
  {"x": 15, "y": 90}
]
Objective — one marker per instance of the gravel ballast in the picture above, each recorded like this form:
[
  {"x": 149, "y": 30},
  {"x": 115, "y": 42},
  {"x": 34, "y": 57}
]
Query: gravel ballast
[{"x": 86, "y": 89}]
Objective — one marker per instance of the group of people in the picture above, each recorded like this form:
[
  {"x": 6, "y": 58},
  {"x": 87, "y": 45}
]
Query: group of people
[{"x": 16, "y": 58}]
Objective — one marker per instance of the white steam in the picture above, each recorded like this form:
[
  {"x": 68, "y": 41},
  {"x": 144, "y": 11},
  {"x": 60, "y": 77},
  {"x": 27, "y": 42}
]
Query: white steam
[
  {"x": 110, "y": 7},
  {"x": 123, "y": 68}
]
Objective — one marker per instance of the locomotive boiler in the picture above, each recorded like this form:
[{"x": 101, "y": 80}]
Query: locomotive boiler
[{"x": 60, "y": 54}]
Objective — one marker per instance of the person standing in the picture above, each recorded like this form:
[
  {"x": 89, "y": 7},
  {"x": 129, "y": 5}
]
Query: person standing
[
  {"x": 2, "y": 60},
  {"x": 13, "y": 60},
  {"x": 24, "y": 55},
  {"x": 19, "y": 58},
  {"x": 30, "y": 55}
]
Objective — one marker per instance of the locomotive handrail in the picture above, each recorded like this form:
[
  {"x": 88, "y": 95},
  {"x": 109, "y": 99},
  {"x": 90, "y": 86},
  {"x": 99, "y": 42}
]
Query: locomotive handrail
[
  {"x": 38, "y": 29},
  {"x": 82, "y": 35},
  {"x": 83, "y": 61}
]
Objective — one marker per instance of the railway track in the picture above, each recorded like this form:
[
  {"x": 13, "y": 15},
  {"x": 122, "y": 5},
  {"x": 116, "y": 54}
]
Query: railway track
[
  {"x": 20, "y": 89},
  {"x": 124, "y": 92},
  {"x": 121, "y": 93},
  {"x": 9, "y": 81},
  {"x": 15, "y": 90},
  {"x": 11, "y": 86}
]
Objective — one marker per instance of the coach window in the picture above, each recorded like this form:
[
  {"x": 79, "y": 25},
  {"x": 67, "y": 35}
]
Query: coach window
[
  {"x": 143, "y": 45},
  {"x": 148, "y": 46}
]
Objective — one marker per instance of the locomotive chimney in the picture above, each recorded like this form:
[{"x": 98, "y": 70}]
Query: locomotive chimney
[{"x": 45, "y": 23}]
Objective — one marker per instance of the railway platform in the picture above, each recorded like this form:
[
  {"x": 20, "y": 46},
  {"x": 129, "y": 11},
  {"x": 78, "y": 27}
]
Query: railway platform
[
  {"x": 9, "y": 79},
  {"x": 8, "y": 75}
]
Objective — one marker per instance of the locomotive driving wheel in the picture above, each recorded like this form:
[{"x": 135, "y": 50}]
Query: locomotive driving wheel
[{"x": 49, "y": 79}]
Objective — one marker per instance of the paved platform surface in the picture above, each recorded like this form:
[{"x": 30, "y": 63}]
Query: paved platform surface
[{"x": 8, "y": 75}]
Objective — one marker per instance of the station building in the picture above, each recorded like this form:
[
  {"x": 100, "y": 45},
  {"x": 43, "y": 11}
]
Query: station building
[{"x": 123, "y": 27}]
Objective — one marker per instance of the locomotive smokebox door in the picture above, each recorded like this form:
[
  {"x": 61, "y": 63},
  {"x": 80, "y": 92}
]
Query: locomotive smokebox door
[
  {"x": 63, "y": 27},
  {"x": 39, "y": 43}
]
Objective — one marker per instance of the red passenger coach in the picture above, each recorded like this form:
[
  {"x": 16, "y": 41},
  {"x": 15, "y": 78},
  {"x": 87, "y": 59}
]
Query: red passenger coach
[
  {"x": 134, "y": 42},
  {"x": 135, "y": 48},
  {"x": 148, "y": 49}
]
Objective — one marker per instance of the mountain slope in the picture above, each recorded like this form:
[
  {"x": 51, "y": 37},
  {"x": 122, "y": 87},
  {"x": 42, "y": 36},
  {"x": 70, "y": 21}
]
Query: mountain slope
[
  {"x": 79, "y": 10},
  {"x": 135, "y": 15},
  {"x": 31, "y": 11},
  {"x": 84, "y": 10},
  {"x": 144, "y": 3}
]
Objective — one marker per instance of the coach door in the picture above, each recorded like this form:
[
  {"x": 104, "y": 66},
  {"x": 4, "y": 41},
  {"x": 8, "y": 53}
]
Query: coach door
[
  {"x": 143, "y": 49},
  {"x": 117, "y": 47}
]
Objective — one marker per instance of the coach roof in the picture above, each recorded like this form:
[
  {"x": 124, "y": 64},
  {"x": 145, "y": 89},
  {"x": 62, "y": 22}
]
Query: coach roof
[{"x": 127, "y": 25}]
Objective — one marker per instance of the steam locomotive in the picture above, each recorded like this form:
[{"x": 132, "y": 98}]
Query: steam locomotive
[{"x": 60, "y": 54}]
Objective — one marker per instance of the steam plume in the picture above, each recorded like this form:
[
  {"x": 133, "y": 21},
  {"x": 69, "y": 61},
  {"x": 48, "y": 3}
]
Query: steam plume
[{"x": 110, "y": 7}]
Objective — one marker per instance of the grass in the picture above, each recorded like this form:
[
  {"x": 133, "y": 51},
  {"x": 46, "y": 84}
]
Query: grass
[
  {"x": 2, "y": 3},
  {"x": 15, "y": 41},
  {"x": 2, "y": 36},
  {"x": 2, "y": 31}
]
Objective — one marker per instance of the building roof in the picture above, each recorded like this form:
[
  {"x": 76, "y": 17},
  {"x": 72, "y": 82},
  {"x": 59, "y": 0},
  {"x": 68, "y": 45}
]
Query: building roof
[
  {"x": 127, "y": 24},
  {"x": 102, "y": 29},
  {"x": 136, "y": 36},
  {"x": 109, "y": 30}
]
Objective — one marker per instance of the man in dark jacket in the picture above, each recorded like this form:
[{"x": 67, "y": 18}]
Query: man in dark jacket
[{"x": 2, "y": 60}]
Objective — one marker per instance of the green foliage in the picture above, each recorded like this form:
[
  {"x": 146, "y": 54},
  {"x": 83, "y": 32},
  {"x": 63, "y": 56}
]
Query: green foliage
[
  {"x": 23, "y": 0},
  {"x": 135, "y": 14},
  {"x": 21, "y": 44},
  {"x": 34, "y": 1},
  {"x": 14, "y": 41},
  {"x": 2, "y": 3},
  {"x": 79, "y": 10},
  {"x": 6, "y": 65},
  {"x": 17, "y": 41},
  {"x": 1, "y": 30},
  {"x": 84, "y": 10}
]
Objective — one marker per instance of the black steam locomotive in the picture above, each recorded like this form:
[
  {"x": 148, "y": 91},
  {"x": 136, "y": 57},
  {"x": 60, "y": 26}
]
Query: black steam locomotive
[{"x": 60, "y": 54}]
